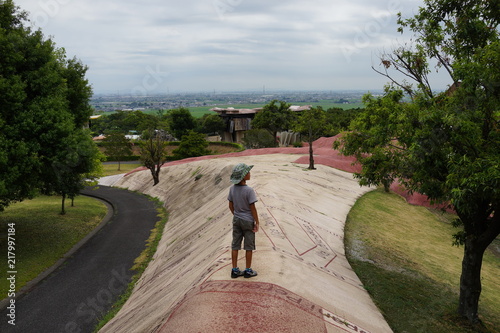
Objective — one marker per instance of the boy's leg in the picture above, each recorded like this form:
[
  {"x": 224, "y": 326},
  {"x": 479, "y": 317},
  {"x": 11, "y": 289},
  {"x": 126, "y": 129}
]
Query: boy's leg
[
  {"x": 248, "y": 257},
  {"x": 237, "y": 239},
  {"x": 234, "y": 258},
  {"x": 235, "y": 272},
  {"x": 249, "y": 272}
]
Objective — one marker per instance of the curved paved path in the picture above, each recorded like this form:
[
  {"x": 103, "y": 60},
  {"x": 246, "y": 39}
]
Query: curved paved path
[{"x": 76, "y": 295}]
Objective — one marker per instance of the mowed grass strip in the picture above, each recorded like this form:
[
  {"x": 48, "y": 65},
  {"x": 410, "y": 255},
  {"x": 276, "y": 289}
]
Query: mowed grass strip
[
  {"x": 404, "y": 257},
  {"x": 43, "y": 235},
  {"x": 110, "y": 169}
]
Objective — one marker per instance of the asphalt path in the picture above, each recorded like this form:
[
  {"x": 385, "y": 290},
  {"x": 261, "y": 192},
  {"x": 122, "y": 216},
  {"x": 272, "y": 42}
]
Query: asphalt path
[{"x": 76, "y": 295}]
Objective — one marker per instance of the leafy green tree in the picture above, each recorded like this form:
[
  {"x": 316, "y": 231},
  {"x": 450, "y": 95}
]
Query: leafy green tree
[
  {"x": 125, "y": 121},
  {"x": 45, "y": 105},
  {"x": 79, "y": 90},
  {"x": 340, "y": 119},
  {"x": 444, "y": 145},
  {"x": 192, "y": 145},
  {"x": 153, "y": 154},
  {"x": 181, "y": 121},
  {"x": 211, "y": 124},
  {"x": 311, "y": 124},
  {"x": 274, "y": 117},
  {"x": 140, "y": 121},
  {"x": 259, "y": 138},
  {"x": 74, "y": 167},
  {"x": 117, "y": 146}
]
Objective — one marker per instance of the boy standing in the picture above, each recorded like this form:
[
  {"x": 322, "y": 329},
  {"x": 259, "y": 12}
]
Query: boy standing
[{"x": 242, "y": 201}]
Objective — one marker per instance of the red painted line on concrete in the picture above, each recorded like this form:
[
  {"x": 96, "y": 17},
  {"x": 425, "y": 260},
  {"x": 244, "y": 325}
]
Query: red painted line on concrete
[
  {"x": 223, "y": 266},
  {"x": 264, "y": 230},
  {"x": 330, "y": 261},
  {"x": 283, "y": 232},
  {"x": 312, "y": 248},
  {"x": 259, "y": 198},
  {"x": 326, "y": 245},
  {"x": 288, "y": 239},
  {"x": 261, "y": 228},
  {"x": 312, "y": 240}
]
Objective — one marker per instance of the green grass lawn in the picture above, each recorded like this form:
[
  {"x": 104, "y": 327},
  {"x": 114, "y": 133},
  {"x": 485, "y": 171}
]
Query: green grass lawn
[
  {"x": 110, "y": 169},
  {"x": 42, "y": 235},
  {"x": 404, "y": 257}
]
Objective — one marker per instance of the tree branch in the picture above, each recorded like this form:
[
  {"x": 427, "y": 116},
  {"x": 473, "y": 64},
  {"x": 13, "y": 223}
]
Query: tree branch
[{"x": 408, "y": 90}]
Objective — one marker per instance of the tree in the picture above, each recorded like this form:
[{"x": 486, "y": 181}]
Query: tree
[
  {"x": 153, "y": 154},
  {"x": 74, "y": 167},
  {"x": 125, "y": 121},
  {"x": 444, "y": 145},
  {"x": 311, "y": 124},
  {"x": 181, "y": 121},
  {"x": 192, "y": 145},
  {"x": 259, "y": 138},
  {"x": 45, "y": 104},
  {"x": 340, "y": 119},
  {"x": 117, "y": 146},
  {"x": 274, "y": 117},
  {"x": 211, "y": 124},
  {"x": 78, "y": 91}
]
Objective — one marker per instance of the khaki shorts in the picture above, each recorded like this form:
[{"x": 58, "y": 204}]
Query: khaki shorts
[{"x": 242, "y": 229}]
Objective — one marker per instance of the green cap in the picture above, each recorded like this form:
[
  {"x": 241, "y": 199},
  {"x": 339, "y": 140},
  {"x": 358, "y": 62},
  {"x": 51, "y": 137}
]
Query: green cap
[{"x": 239, "y": 172}]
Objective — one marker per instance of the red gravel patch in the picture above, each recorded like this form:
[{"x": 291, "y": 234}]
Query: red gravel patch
[{"x": 237, "y": 306}]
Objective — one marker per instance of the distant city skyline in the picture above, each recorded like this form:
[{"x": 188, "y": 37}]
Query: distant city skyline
[
  {"x": 244, "y": 92},
  {"x": 151, "y": 47}
]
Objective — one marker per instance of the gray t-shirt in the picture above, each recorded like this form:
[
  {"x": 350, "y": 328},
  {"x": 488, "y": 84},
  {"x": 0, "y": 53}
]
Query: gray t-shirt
[{"x": 242, "y": 197}]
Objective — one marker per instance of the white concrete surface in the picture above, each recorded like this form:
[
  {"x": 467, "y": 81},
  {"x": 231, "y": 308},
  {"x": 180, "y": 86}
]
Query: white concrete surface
[{"x": 300, "y": 253}]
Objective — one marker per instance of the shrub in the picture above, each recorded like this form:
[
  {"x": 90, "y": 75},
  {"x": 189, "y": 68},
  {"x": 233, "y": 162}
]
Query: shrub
[{"x": 192, "y": 145}]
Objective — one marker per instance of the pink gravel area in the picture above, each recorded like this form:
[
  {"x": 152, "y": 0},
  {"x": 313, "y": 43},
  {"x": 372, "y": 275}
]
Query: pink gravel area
[
  {"x": 324, "y": 154},
  {"x": 418, "y": 199},
  {"x": 322, "y": 148}
]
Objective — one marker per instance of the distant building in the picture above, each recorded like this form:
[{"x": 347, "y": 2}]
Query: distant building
[
  {"x": 99, "y": 137},
  {"x": 89, "y": 123},
  {"x": 238, "y": 121}
]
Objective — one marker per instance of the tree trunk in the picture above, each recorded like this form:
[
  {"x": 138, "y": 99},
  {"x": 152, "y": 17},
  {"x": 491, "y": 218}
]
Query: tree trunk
[
  {"x": 62, "y": 204},
  {"x": 387, "y": 186},
  {"x": 470, "y": 280},
  {"x": 156, "y": 174},
  {"x": 311, "y": 157},
  {"x": 156, "y": 179}
]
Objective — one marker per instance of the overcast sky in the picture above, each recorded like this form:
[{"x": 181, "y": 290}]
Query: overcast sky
[{"x": 151, "y": 46}]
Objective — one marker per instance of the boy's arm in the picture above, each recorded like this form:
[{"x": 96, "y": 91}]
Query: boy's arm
[
  {"x": 231, "y": 207},
  {"x": 253, "y": 209}
]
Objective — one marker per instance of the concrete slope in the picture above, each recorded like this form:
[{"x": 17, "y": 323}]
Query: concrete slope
[{"x": 305, "y": 283}]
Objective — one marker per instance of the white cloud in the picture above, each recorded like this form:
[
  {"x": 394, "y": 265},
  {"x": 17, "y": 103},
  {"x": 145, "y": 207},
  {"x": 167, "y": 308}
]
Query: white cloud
[{"x": 201, "y": 45}]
